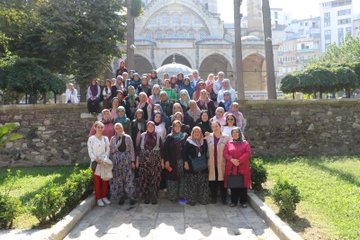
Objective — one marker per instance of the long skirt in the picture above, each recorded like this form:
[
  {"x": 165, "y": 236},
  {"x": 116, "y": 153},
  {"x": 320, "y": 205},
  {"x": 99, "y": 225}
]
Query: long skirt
[
  {"x": 150, "y": 173},
  {"x": 197, "y": 187},
  {"x": 175, "y": 189},
  {"x": 93, "y": 105},
  {"x": 122, "y": 182}
]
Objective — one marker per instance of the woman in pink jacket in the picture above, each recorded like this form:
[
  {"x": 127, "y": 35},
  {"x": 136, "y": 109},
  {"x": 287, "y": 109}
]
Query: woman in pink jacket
[{"x": 237, "y": 154}]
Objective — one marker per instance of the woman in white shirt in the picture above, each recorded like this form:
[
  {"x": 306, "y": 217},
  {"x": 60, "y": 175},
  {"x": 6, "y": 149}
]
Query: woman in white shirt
[
  {"x": 71, "y": 94},
  {"x": 99, "y": 150}
]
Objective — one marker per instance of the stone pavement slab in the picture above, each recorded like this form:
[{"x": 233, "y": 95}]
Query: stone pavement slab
[{"x": 173, "y": 221}]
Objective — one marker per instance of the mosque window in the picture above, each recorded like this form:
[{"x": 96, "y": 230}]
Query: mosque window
[
  {"x": 176, "y": 20},
  {"x": 186, "y": 20},
  {"x": 181, "y": 34},
  {"x": 158, "y": 35},
  {"x": 165, "y": 20}
]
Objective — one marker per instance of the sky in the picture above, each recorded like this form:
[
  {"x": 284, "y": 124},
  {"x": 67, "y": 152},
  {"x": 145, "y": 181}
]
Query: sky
[{"x": 296, "y": 9}]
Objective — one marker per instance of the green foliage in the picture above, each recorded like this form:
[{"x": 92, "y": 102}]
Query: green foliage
[
  {"x": 77, "y": 185},
  {"x": 25, "y": 75},
  {"x": 286, "y": 196},
  {"x": 9, "y": 209},
  {"x": 9, "y": 205},
  {"x": 136, "y": 8},
  {"x": 258, "y": 173},
  {"x": 47, "y": 203},
  {"x": 6, "y": 135}
]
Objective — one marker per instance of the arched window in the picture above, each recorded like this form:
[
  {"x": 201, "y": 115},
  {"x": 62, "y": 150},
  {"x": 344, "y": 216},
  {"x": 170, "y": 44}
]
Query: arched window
[
  {"x": 165, "y": 20},
  {"x": 186, "y": 20},
  {"x": 175, "y": 20}
]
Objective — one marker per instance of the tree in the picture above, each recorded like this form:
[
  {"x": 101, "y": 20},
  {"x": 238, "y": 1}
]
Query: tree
[
  {"x": 6, "y": 135},
  {"x": 133, "y": 10},
  {"x": 26, "y": 76}
]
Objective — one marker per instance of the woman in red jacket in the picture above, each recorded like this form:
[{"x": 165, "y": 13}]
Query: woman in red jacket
[{"x": 237, "y": 154}]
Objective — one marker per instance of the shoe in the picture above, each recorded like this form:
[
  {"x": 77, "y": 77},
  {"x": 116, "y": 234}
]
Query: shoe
[
  {"x": 100, "y": 203},
  {"x": 244, "y": 205},
  {"x": 106, "y": 201},
  {"x": 146, "y": 201},
  {"x": 132, "y": 201},
  {"x": 233, "y": 205},
  {"x": 121, "y": 201}
]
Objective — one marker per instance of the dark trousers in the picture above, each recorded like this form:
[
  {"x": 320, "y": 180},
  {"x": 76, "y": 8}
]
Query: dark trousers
[
  {"x": 239, "y": 194},
  {"x": 214, "y": 186}
]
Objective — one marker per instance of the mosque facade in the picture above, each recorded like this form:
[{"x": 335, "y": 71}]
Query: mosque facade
[{"x": 193, "y": 32}]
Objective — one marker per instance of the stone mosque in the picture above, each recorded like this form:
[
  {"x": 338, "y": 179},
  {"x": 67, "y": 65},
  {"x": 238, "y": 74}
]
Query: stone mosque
[{"x": 192, "y": 33}]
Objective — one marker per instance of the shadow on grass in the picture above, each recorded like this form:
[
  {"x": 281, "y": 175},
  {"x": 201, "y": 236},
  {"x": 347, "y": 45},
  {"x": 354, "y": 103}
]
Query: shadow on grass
[{"x": 299, "y": 224}]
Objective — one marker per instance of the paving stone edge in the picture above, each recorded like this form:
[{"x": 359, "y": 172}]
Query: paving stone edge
[
  {"x": 63, "y": 227},
  {"x": 281, "y": 229}
]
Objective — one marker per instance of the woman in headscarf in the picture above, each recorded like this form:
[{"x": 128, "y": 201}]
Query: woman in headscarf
[
  {"x": 240, "y": 120},
  {"x": 155, "y": 96},
  {"x": 219, "y": 116},
  {"x": 194, "y": 111},
  {"x": 119, "y": 85},
  {"x": 122, "y": 68},
  {"x": 186, "y": 119},
  {"x": 171, "y": 93},
  {"x": 136, "y": 81},
  {"x": 205, "y": 103},
  {"x": 200, "y": 86},
  {"x": 114, "y": 106},
  {"x": 122, "y": 118},
  {"x": 184, "y": 127},
  {"x": 144, "y": 86},
  {"x": 186, "y": 86},
  {"x": 184, "y": 100},
  {"x": 154, "y": 79},
  {"x": 216, "y": 142},
  {"x": 166, "y": 104},
  {"x": 164, "y": 118},
  {"x": 138, "y": 126},
  {"x": 107, "y": 121},
  {"x": 230, "y": 124},
  {"x": 145, "y": 106},
  {"x": 196, "y": 179},
  {"x": 237, "y": 154},
  {"x": 204, "y": 123},
  {"x": 226, "y": 86},
  {"x": 123, "y": 157},
  {"x": 99, "y": 150},
  {"x": 150, "y": 163},
  {"x": 174, "y": 164},
  {"x": 210, "y": 85},
  {"x": 107, "y": 94},
  {"x": 226, "y": 101},
  {"x": 131, "y": 102},
  {"x": 160, "y": 127},
  {"x": 173, "y": 83},
  {"x": 93, "y": 97}
]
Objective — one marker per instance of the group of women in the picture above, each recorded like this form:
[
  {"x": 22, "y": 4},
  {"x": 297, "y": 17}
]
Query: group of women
[{"x": 189, "y": 146}]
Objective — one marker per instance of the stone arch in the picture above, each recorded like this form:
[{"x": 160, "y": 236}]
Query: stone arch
[
  {"x": 215, "y": 63},
  {"x": 178, "y": 59},
  {"x": 142, "y": 64},
  {"x": 254, "y": 67}
]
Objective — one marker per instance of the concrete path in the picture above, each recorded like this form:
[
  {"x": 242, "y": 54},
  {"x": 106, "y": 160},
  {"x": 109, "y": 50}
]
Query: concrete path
[{"x": 168, "y": 220}]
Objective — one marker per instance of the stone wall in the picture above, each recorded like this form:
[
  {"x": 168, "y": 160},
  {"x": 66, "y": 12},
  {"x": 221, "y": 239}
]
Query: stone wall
[{"x": 57, "y": 134}]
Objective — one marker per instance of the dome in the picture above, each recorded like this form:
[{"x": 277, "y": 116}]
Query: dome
[
  {"x": 250, "y": 38},
  {"x": 173, "y": 69}
]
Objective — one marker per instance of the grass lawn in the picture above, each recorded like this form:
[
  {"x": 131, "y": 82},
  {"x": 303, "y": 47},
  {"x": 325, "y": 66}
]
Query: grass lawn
[
  {"x": 31, "y": 180},
  {"x": 330, "y": 191}
]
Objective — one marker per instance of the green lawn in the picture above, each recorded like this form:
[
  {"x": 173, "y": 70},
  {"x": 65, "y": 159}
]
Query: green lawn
[
  {"x": 330, "y": 191},
  {"x": 31, "y": 180}
]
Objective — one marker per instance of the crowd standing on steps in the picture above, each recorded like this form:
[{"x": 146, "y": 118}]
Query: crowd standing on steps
[{"x": 179, "y": 134}]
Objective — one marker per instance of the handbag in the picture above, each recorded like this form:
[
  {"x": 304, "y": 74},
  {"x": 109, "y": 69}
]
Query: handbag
[
  {"x": 94, "y": 163},
  {"x": 236, "y": 181},
  {"x": 199, "y": 164}
]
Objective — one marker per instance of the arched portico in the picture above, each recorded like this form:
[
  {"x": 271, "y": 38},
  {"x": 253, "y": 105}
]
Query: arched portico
[
  {"x": 178, "y": 59},
  {"x": 213, "y": 64},
  {"x": 254, "y": 73},
  {"x": 142, "y": 65}
]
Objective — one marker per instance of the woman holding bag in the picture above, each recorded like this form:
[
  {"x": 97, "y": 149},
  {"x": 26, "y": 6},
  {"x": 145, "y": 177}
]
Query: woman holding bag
[
  {"x": 237, "y": 154},
  {"x": 196, "y": 169},
  {"x": 99, "y": 149}
]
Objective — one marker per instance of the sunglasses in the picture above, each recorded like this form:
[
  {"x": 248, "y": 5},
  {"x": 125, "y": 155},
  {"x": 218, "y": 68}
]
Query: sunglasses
[{"x": 230, "y": 119}]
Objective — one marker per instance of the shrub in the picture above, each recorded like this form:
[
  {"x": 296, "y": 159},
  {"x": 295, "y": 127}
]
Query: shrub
[
  {"x": 258, "y": 173},
  {"x": 286, "y": 196},
  {"x": 47, "y": 203},
  {"x": 9, "y": 209},
  {"x": 78, "y": 185}
]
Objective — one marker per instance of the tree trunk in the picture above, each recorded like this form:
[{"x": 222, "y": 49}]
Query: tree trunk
[
  {"x": 293, "y": 95},
  {"x": 130, "y": 38},
  {"x": 269, "y": 55},
  {"x": 83, "y": 91},
  {"x": 320, "y": 94},
  {"x": 238, "y": 51},
  {"x": 348, "y": 93}
]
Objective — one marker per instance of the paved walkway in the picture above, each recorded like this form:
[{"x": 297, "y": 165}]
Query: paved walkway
[{"x": 167, "y": 220}]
